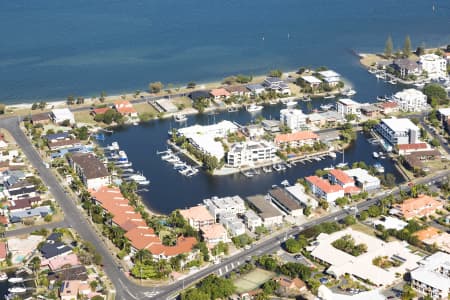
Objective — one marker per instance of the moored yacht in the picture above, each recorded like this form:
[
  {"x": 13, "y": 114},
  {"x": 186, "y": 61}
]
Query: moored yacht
[
  {"x": 179, "y": 117},
  {"x": 254, "y": 108}
]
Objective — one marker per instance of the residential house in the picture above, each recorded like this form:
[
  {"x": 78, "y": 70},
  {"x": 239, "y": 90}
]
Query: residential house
[
  {"x": 406, "y": 67},
  {"x": 3, "y": 251},
  {"x": 293, "y": 119},
  {"x": 19, "y": 189},
  {"x": 410, "y": 100},
  {"x": 363, "y": 179},
  {"x": 432, "y": 277},
  {"x": 53, "y": 247},
  {"x": 285, "y": 202},
  {"x": 312, "y": 81},
  {"x": 405, "y": 149},
  {"x": 390, "y": 223},
  {"x": 434, "y": 65},
  {"x": 371, "y": 111},
  {"x": 24, "y": 203},
  {"x": 298, "y": 192},
  {"x": 250, "y": 153},
  {"x": 125, "y": 108},
  {"x": 389, "y": 107},
  {"x": 330, "y": 77},
  {"x": 269, "y": 214},
  {"x": 421, "y": 206},
  {"x": 254, "y": 131},
  {"x": 41, "y": 118},
  {"x": 289, "y": 286},
  {"x": 433, "y": 237},
  {"x": 197, "y": 216},
  {"x": 238, "y": 90},
  {"x": 415, "y": 159},
  {"x": 73, "y": 289},
  {"x": 29, "y": 214},
  {"x": 227, "y": 205},
  {"x": 141, "y": 238},
  {"x": 255, "y": 89},
  {"x": 214, "y": 234},
  {"x": 220, "y": 94},
  {"x": 53, "y": 137},
  {"x": 99, "y": 111},
  {"x": 199, "y": 95},
  {"x": 323, "y": 189},
  {"x": 64, "y": 144},
  {"x": 398, "y": 131},
  {"x": 90, "y": 169},
  {"x": 348, "y": 107},
  {"x": 59, "y": 115},
  {"x": 277, "y": 84},
  {"x": 296, "y": 139},
  {"x": 184, "y": 245},
  {"x": 339, "y": 177}
]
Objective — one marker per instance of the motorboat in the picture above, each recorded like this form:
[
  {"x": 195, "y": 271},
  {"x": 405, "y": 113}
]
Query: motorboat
[
  {"x": 285, "y": 183},
  {"x": 329, "y": 96},
  {"x": 332, "y": 154},
  {"x": 123, "y": 157},
  {"x": 233, "y": 109},
  {"x": 291, "y": 103},
  {"x": 273, "y": 102},
  {"x": 381, "y": 98},
  {"x": 341, "y": 165},
  {"x": 3, "y": 276},
  {"x": 317, "y": 158},
  {"x": 113, "y": 147},
  {"x": 135, "y": 123},
  {"x": 379, "y": 168},
  {"x": 328, "y": 168},
  {"x": 191, "y": 172},
  {"x": 173, "y": 159},
  {"x": 184, "y": 171},
  {"x": 248, "y": 174},
  {"x": 179, "y": 165},
  {"x": 254, "y": 108},
  {"x": 267, "y": 169},
  {"x": 375, "y": 155},
  {"x": 277, "y": 167},
  {"x": 138, "y": 178},
  {"x": 348, "y": 92},
  {"x": 17, "y": 290},
  {"x": 306, "y": 99},
  {"x": 179, "y": 117},
  {"x": 167, "y": 156},
  {"x": 15, "y": 280},
  {"x": 326, "y": 106},
  {"x": 392, "y": 81}
]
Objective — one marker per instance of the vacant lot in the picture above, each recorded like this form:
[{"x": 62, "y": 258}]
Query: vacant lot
[{"x": 252, "y": 280}]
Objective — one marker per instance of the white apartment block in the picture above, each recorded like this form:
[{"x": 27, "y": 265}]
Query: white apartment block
[
  {"x": 434, "y": 65},
  {"x": 410, "y": 100},
  {"x": 226, "y": 205},
  {"x": 398, "y": 131},
  {"x": 250, "y": 153},
  {"x": 348, "y": 107},
  {"x": 432, "y": 277},
  {"x": 294, "y": 119}
]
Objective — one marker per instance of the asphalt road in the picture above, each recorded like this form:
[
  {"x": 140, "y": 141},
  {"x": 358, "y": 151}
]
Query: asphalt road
[
  {"x": 30, "y": 229},
  {"x": 126, "y": 289},
  {"x": 431, "y": 132}
]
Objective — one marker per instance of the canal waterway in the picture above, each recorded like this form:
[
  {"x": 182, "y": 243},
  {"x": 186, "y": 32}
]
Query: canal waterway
[
  {"x": 54, "y": 48},
  {"x": 170, "y": 190}
]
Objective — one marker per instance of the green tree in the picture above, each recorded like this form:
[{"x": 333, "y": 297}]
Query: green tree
[
  {"x": 292, "y": 245},
  {"x": 275, "y": 73},
  {"x": 389, "y": 180},
  {"x": 349, "y": 220},
  {"x": 2, "y": 108},
  {"x": 407, "y": 46},
  {"x": 389, "y": 47},
  {"x": 374, "y": 211},
  {"x": 191, "y": 85},
  {"x": 436, "y": 92},
  {"x": 408, "y": 292},
  {"x": 363, "y": 215},
  {"x": 155, "y": 87}
]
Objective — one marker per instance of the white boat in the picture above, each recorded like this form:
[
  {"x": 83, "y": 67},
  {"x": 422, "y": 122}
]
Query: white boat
[
  {"x": 138, "y": 177},
  {"x": 173, "y": 159},
  {"x": 233, "y": 109},
  {"x": 3, "y": 276},
  {"x": 342, "y": 165},
  {"x": 285, "y": 183},
  {"x": 192, "y": 172},
  {"x": 317, "y": 158},
  {"x": 392, "y": 81},
  {"x": 273, "y": 102},
  {"x": 328, "y": 168},
  {"x": 328, "y": 96},
  {"x": 167, "y": 156},
  {"x": 326, "y": 106},
  {"x": 348, "y": 92},
  {"x": 267, "y": 169},
  {"x": 375, "y": 155},
  {"x": 122, "y": 157},
  {"x": 291, "y": 103},
  {"x": 379, "y": 168},
  {"x": 179, "y": 165},
  {"x": 135, "y": 123},
  {"x": 332, "y": 154},
  {"x": 15, "y": 280},
  {"x": 306, "y": 99},
  {"x": 17, "y": 290},
  {"x": 277, "y": 167},
  {"x": 254, "y": 108},
  {"x": 184, "y": 171},
  {"x": 179, "y": 117},
  {"x": 113, "y": 146}
]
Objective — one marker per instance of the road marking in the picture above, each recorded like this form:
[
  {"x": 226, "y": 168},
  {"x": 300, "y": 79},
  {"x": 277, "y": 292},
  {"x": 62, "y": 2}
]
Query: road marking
[
  {"x": 232, "y": 266},
  {"x": 220, "y": 272},
  {"x": 226, "y": 268}
]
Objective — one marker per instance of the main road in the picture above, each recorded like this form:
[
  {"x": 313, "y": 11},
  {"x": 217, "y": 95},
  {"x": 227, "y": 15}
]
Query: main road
[{"x": 127, "y": 289}]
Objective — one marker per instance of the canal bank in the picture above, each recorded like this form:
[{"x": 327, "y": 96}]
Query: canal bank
[{"x": 169, "y": 190}]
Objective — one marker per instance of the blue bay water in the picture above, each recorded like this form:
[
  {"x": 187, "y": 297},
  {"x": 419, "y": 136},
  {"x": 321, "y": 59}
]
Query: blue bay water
[{"x": 52, "y": 49}]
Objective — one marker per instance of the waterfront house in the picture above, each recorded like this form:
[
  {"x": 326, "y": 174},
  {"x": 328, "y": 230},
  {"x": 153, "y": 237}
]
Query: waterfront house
[
  {"x": 53, "y": 247},
  {"x": 252, "y": 220},
  {"x": 362, "y": 266},
  {"x": 421, "y": 206},
  {"x": 434, "y": 65},
  {"x": 58, "y": 262},
  {"x": 371, "y": 111},
  {"x": 389, "y": 107},
  {"x": 363, "y": 179},
  {"x": 410, "y": 100},
  {"x": 184, "y": 245},
  {"x": 298, "y": 192},
  {"x": 125, "y": 108},
  {"x": 199, "y": 95},
  {"x": 213, "y": 234},
  {"x": 277, "y": 84},
  {"x": 312, "y": 81},
  {"x": 141, "y": 238},
  {"x": 348, "y": 107},
  {"x": 41, "y": 118},
  {"x": 233, "y": 224},
  {"x": 73, "y": 289},
  {"x": 238, "y": 90},
  {"x": 294, "y": 119},
  {"x": 296, "y": 139},
  {"x": 197, "y": 216},
  {"x": 253, "y": 131},
  {"x": 219, "y": 94},
  {"x": 330, "y": 77},
  {"x": 405, "y": 149},
  {"x": 255, "y": 89},
  {"x": 285, "y": 202},
  {"x": 323, "y": 189},
  {"x": 64, "y": 144},
  {"x": 271, "y": 126},
  {"x": 59, "y": 115},
  {"x": 53, "y": 137},
  {"x": 227, "y": 205},
  {"x": 432, "y": 277},
  {"x": 337, "y": 176},
  {"x": 269, "y": 214},
  {"x": 406, "y": 67},
  {"x": 90, "y": 169},
  {"x": 250, "y": 153},
  {"x": 398, "y": 131}
]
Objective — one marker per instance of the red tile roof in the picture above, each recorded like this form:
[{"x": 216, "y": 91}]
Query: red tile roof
[
  {"x": 418, "y": 207},
  {"x": 323, "y": 185},
  {"x": 124, "y": 107},
  {"x": 352, "y": 190},
  {"x": 341, "y": 176},
  {"x": 417, "y": 146},
  {"x": 100, "y": 111},
  {"x": 184, "y": 245},
  {"x": 3, "y": 251},
  {"x": 389, "y": 104},
  {"x": 426, "y": 233},
  {"x": 296, "y": 136},
  {"x": 142, "y": 237},
  {"x": 221, "y": 92}
]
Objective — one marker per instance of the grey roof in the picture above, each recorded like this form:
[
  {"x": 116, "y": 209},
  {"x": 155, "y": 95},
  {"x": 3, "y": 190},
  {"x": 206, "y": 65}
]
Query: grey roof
[
  {"x": 72, "y": 273},
  {"x": 405, "y": 63},
  {"x": 197, "y": 95},
  {"x": 254, "y": 86},
  {"x": 265, "y": 208},
  {"x": 40, "y": 211},
  {"x": 53, "y": 248},
  {"x": 56, "y": 136},
  {"x": 284, "y": 199},
  {"x": 92, "y": 167}
]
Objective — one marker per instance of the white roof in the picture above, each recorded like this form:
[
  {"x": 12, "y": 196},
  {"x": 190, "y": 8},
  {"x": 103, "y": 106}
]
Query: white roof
[
  {"x": 251, "y": 215},
  {"x": 427, "y": 272},
  {"x": 311, "y": 79},
  {"x": 207, "y": 144},
  {"x": 444, "y": 111},
  {"x": 400, "y": 125},
  {"x": 62, "y": 113},
  {"x": 298, "y": 192},
  {"x": 391, "y": 223},
  {"x": 225, "y": 202},
  {"x": 326, "y": 294},
  {"x": 349, "y": 102},
  {"x": 430, "y": 57},
  {"x": 409, "y": 94},
  {"x": 362, "y": 176},
  {"x": 217, "y": 130},
  {"x": 292, "y": 112},
  {"x": 329, "y": 73},
  {"x": 362, "y": 266}
]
